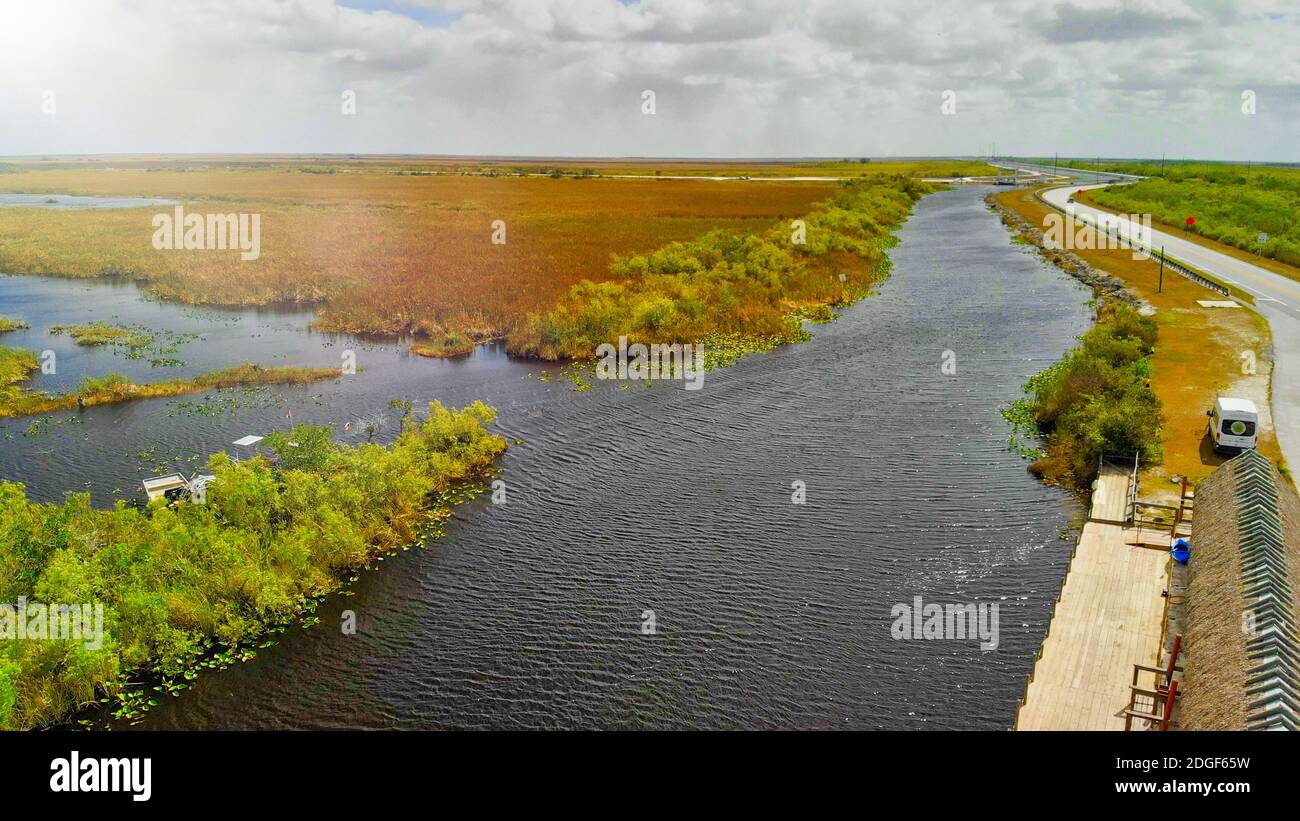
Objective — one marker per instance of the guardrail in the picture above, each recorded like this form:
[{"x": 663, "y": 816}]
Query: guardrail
[
  {"x": 1191, "y": 273},
  {"x": 1120, "y": 461},
  {"x": 1179, "y": 267},
  {"x": 1078, "y": 172}
]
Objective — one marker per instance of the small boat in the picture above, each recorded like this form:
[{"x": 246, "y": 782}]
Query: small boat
[
  {"x": 172, "y": 487},
  {"x": 175, "y": 487}
]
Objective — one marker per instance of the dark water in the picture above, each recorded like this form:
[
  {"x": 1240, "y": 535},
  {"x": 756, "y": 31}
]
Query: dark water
[{"x": 768, "y": 614}]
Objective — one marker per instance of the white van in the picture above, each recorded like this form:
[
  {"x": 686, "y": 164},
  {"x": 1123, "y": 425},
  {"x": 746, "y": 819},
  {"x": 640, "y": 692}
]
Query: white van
[{"x": 1234, "y": 425}]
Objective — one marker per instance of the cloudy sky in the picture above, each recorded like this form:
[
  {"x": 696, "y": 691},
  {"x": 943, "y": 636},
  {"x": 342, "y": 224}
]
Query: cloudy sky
[{"x": 730, "y": 77}]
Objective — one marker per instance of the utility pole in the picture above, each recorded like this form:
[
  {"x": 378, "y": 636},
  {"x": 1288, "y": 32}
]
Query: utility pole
[{"x": 1161, "y": 286}]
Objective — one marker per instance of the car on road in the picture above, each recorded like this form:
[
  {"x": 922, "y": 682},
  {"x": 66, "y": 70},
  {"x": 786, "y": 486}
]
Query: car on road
[{"x": 1233, "y": 425}]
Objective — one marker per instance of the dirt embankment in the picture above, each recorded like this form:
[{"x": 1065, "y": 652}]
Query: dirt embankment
[
  {"x": 1103, "y": 284},
  {"x": 1203, "y": 351}
]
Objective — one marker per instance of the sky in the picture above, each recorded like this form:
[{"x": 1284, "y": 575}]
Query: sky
[{"x": 1212, "y": 79}]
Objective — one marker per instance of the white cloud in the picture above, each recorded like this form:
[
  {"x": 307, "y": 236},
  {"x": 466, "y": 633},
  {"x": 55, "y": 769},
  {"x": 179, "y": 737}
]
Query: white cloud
[{"x": 564, "y": 77}]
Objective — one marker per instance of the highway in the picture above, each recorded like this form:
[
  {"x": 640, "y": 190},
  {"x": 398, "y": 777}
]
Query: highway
[{"x": 1277, "y": 298}]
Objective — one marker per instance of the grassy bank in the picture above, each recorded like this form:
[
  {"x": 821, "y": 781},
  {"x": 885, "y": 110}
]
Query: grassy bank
[
  {"x": 1198, "y": 351},
  {"x": 16, "y": 365},
  {"x": 723, "y": 285},
  {"x": 9, "y": 323},
  {"x": 188, "y": 586},
  {"x": 1097, "y": 400}
]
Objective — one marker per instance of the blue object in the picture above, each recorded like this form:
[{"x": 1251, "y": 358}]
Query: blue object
[{"x": 1181, "y": 551}]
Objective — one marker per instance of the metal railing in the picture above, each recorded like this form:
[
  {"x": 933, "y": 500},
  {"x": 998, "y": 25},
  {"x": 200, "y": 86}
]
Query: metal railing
[
  {"x": 1120, "y": 461},
  {"x": 1181, "y": 268},
  {"x": 1190, "y": 273}
]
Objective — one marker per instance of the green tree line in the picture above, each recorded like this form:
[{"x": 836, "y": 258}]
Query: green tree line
[{"x": 1232, "y": 204}]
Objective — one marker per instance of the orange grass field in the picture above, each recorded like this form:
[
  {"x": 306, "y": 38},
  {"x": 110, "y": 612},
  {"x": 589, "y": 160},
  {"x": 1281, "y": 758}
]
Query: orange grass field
[
  {"x": 383, "y": 253},
  {"x": 386, "y": 245}
]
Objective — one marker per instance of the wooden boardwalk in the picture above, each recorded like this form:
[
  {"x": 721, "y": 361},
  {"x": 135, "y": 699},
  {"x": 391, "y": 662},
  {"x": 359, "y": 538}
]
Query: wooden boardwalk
[
  {"x": 1110, "y": 496},
  {"x": 1108, "y": 618}
]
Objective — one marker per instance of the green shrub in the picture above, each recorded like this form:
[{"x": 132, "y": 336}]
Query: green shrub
[
  {"x": 653, "y": 314},
  {"x": 179, "y": 583},
  {"x": 1097, "y": 400},
  {"x": 306, "y": 447}
]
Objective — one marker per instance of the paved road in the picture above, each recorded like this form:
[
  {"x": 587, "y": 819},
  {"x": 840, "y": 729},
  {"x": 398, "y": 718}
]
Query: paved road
[{"x": 1277, "y": 299}]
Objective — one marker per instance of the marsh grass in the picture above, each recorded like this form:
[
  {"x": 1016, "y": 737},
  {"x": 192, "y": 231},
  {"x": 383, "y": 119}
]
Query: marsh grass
[
  {"x": 721, "y": 285},
  {"x": 450, "y": 344},
  {"x": 14, "y": 401},
  {"x": 98, "y": 333},
  {"x": 396, "y": 248},
  {"x": 379, "y": 252},
  {"x": 16, "y": 365}
]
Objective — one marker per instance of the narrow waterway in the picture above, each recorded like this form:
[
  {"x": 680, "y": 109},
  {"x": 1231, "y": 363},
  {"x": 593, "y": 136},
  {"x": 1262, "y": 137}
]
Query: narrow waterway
[{"x": 530, "y": 614}]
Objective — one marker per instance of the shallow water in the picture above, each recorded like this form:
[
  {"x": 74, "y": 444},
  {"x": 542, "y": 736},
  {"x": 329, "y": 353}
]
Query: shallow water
[
  {"x": 768, "y": 614},
  {"x": 68, "y": 202}
]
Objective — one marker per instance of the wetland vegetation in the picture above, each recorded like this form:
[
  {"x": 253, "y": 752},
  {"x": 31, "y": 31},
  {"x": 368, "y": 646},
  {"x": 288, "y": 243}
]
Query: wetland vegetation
[
  {"x": 1096, "y": 401},
  {"x": 387, "y": 249},
  {"x": 748, "y": 287},
  {"x": 189, "y": 586},
  {"x": 16, "y": 365}
]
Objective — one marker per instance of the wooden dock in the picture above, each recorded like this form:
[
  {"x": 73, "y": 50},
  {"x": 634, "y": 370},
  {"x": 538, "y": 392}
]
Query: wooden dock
[
  {"x": 1109, "y": 617},
  {"x": 1110, "y": 496}
]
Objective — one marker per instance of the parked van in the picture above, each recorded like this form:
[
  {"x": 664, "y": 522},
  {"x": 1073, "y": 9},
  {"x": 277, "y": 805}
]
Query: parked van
[{"x": 1234, "y": 425}]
